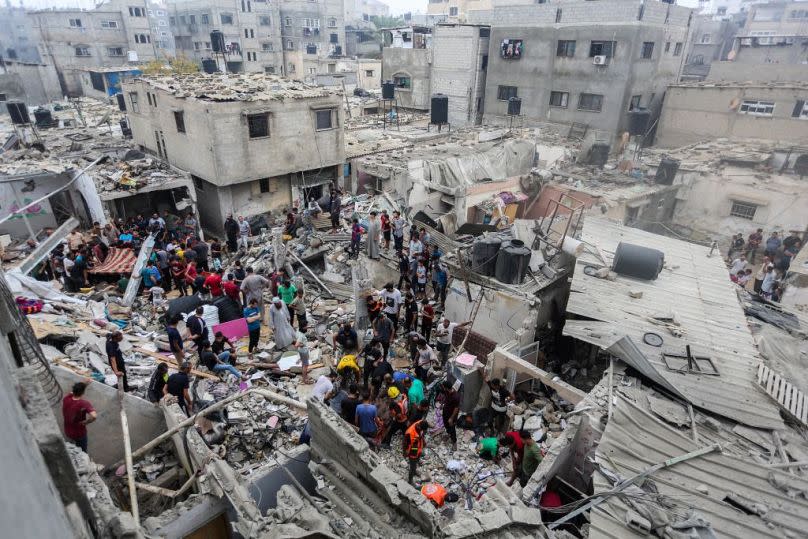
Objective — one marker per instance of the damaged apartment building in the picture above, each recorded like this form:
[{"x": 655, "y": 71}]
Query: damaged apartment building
[{"x": 251, "y": 142}]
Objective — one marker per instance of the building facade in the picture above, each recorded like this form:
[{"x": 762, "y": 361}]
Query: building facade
[
  {"x": 694, "y": 112},
  {"x": 245, "y": 156},
  {"x": 17, "y": 38},
  {"x": 407, "y": 61},
  {"x": 774, "y": 33},
  {"x": 32, "y": 83},
  {"x": 313, "y": 36},
  {"x": 711, "y": 40},
  {"x": 364, "y": 10}
]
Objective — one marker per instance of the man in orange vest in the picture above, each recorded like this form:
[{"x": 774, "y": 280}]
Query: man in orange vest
[
  {"x": 398, "y": 413},
  {"x": 414, "y": 445}
]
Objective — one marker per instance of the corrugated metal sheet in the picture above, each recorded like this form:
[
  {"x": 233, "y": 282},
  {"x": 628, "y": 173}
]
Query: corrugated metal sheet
[
  {"x": 634, "y": 440},
  {"x": 694, "y": 287}
]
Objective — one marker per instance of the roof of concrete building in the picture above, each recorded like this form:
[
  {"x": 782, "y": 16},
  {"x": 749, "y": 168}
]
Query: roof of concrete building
[
  {"x": 112, "y": 69},
  {"x": 691, "y": 303},
  {"x": 787, "y": 85},
  {"x": 708, "y": 154},
  {"x": 235, "y": 87},
  {"x": 707, "y": 486}
]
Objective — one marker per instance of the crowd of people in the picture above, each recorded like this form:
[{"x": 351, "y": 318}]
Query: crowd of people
[{"x": 778, "y": 253}]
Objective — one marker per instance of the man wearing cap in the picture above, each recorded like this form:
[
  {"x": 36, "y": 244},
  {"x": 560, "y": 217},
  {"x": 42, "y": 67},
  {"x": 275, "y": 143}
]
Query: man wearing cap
[{"x": 399, "y": 409}]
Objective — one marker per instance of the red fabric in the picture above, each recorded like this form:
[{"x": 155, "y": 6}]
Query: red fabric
[
  {"x": 118, "y": 260},
  {"x": 74, "y": 411},
  {"x": 518, "y": 444},
  {"x": 231, "y": 289},
  {"x": 550, "y": 499},
  {"x": 213, "y": 282}
]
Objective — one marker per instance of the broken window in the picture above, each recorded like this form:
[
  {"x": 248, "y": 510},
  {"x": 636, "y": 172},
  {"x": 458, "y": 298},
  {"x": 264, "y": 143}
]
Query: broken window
[
  {"x": 635, "y": 102},
  {"x": 263, "y": 185},
  {"x": 97, "y": 81},
  {"x": 590, "y": 102},
  {"x": 133, "y": 101},
  {"x": 565, "y": 48},
  {"x": 368, "y": 72},
  {"x": 744, "y": 210},
  {"x": 647, "y": 50},
  {"x": 75, "y": 23},
  {"x": 324, "y": 119},
  {"x": 258, "y": 125},
  {"x": 402, "y": 81},
  {"x": 759, "y": 108},
  {"x": 602, "y": 48},
  {"x": 504, "y": 93},
  {"x": 179, "y": 119},
  {"x": 559, "y": 99},
  {"x": 270, "y": 70},
  {"x": 688, "y": 363}
]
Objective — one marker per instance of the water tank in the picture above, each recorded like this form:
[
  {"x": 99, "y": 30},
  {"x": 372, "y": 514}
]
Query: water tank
[
  {"x": 18, "y": 112},
  {"x": 125, "y": 130},
  {"x": 484, "y": 255},
  {"x": 638, "y": 121},
  {"x": 217, "y": 41},
  {"x": 209, "y": 65},
  {"x": 439, "y": 111},
  {"x": 388, "y": 89},
  {"x": 121, "y": 102},
  {"x": 512, "y": 262},
  {"x": 514, "y": 106},
  {"x": 666, "y": 171},
  {"x": 638, "y": 261},
  {"x": 43, "y": 117},
  {"x": 598, "y": 154}
]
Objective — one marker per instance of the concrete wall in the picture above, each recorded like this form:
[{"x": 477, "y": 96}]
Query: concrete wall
[
  {"x": 694, "y": 113},
  {"x": 146, "y": 421},
  {"x": 540, "y": 71},
  {"x": 17, "y": 38},
  {"x": 733, "y": 71},
  {"x": 415, "y": 63},
  {"x": 34, "y": 84},
  {"x": 330, "y": 14},
  {"x": 710, "y": 41}
]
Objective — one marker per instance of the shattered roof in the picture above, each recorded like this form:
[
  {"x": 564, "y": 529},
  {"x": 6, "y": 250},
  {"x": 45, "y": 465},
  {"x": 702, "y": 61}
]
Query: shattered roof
[
  {"x": 235, "y": 87},
  {"x": 634, "y": 440},
  {"x": 692, "y": 296}
]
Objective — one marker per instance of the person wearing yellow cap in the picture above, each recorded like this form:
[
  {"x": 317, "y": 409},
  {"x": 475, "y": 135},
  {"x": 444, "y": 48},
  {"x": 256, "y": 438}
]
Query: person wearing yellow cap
[{"x": 398, "y": 414}]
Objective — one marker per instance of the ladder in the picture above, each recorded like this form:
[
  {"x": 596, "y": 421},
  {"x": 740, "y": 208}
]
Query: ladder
[{"x": 788, "y": 397}]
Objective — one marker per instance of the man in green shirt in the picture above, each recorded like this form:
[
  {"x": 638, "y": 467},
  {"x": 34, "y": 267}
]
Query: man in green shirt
[
  {"x": 287, "y": 292},
  {"x": 489, "y": 449},
  {"x": 531, "y": 459},
  {"x": 415, "y": 391}
]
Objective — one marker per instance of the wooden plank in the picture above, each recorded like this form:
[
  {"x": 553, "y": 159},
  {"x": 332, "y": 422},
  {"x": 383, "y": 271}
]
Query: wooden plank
[
  {"x": 172, "y": 362},
  {"x": 790, "y": 397},
  {"x": 786, "y": 394},
  {"x": 761, "y": 371},
  {"x": 769, "y": 384},
  {"x": 798, "y": 407},
  {"x": 776, "y": 387},
  {"x": 804, "y": 413}
]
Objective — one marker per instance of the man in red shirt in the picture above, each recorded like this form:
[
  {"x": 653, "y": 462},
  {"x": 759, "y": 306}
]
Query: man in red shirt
[
  {"x": 77, "y": 413},
  {"x": 213, "y": 283},
  {"x": 513, "y": 441},
  {"x": 231, "y": 289}
]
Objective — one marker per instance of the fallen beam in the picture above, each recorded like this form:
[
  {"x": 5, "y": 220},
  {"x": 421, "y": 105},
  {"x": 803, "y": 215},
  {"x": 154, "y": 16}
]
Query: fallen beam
[
  {"x": 171, "y": 362},
  {"x": 168, "y": 493},
  {"x": 505, "y": 360},
  {"x": 43, "y": 249},
  {"x": 134, "y": 280},
  {"x": 311, "y": 273}
]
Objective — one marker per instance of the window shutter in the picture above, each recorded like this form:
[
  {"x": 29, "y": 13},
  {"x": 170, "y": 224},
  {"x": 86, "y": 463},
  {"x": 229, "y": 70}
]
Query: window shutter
[{"x": 798, "y": 108}]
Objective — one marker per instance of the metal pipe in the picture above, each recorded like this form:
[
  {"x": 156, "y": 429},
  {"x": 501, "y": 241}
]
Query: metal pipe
[{"x": 130, "y": 470}]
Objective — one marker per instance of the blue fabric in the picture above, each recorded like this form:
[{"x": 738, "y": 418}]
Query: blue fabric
[
  {"x": 249, "y": 312},
  {"x": 229, "y": 368},
  {"x": 366, "y": 413}
]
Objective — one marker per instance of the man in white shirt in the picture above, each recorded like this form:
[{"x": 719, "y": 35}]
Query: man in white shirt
[
  {"x": 443, "y": 335},
  {"x": 416, "y": 248},
  {"x": 324, "y": 386},
  {"x": 391, "y": 297},
  {"x": 244, "y": 233},
  {"x": 738, "y": 264}
]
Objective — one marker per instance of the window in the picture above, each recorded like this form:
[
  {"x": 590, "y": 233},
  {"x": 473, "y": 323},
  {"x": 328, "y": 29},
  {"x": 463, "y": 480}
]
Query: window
[
  {"x": 311, "y": 48},
  {"x": 161, "y": 23},
  {"x": 207, "y": 45},
  {"x": 332, "y": 23},
  {"x": 402, "y": 81},
  {"x": 249, "y": 32},
  {"x": 263, "y": 185},
  {"x": 243, "y": 5},
  {"x": 226, "y": 18},
  {"x": 559, "y": 99},
  {"x": 290, "y": 45},
  {"x": 453, "y": 12},
  {"x": 133, "y": 102},
  {"x": 744, "y": 210},
  {"x": 82, "y": 51},
  {"x": 75, "y": 23},
  {"x": 759, "y": 108},
  {"x": 182, "y": 19},
  {"x": 590, "y": 102},
  {"x": 368, "y": 72},
  {"x": 179, "y": 119},
  {"x": 258, "y": 125},
  {"x": 137, "y": 12},
  {"x": 97, "y": 81},
  {"x": 566, "y": 48},
  {"x": 635, "y": 102},
  {"x": 504, "y": 93},
  {"x": 109, "y": 24},
  {"x": 677, "y": 49},
  {"x": 288, "y": 21},
  {"x": 265, "y": 21},
  {"x": 172, "y": 21},
  {"x": 197, "y": 45},
  {"x": 721, "y": 11},
  {"x": 252, "y": 56},
  {"x": 266, "y": 47},
  {"x": 647, "y": 50},
  {"x": 698, "y": 59},
  {"x": 3, "y": 97},
  {"x": 667, "y": 46},
  {"x": 799, "y": 14},
  {"x": 270, "y": 70},
  {"x": 203, "y": 19},
  {"x": 115, "y": 51},
  {"x": 800, "y": 109},
  {"x": 333, "y": 38},
  {"x": 312, "y": 71},
  {"x": 602, "y": 48},
  {"x": 324, "y": 119},
  {"x": 706, "y": 39}
]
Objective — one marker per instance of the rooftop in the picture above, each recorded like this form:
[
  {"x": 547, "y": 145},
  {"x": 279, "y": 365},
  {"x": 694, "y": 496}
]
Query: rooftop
[
  {"x": 235, "y": 87},
  {"x": 786, "y": 85},
  {"x": 691, "y": 303}
]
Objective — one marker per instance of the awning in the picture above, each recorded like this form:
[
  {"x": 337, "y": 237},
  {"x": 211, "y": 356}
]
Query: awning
[{"x": 118, "y": 261}]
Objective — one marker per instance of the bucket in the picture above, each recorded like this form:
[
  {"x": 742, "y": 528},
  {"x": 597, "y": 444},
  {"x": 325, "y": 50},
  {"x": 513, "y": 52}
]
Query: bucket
[{"x": 573, "y": 247}]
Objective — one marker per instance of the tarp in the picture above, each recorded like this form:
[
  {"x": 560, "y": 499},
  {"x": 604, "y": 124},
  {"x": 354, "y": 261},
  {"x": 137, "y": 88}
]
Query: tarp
[
  {"x": 118, "y": 260},
  {"x": 23, "y": 285}
]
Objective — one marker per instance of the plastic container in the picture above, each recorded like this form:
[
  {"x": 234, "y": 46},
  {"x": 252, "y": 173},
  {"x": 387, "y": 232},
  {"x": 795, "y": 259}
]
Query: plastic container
[{"x": 513, "y": 261}]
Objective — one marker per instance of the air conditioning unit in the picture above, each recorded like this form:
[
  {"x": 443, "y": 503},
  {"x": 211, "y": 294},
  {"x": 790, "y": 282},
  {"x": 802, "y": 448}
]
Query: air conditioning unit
[{"x": 600, "y": 60}]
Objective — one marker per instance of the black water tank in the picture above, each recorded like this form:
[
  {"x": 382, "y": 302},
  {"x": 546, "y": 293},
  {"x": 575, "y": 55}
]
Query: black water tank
[
  {"x": 666, "y": 171},
  {"x": 484, "y": 255},
  {"x": 18, "y": 112},
  {"x": 439, "y": 111},
  {"x": 512, "y": 262},
  {"x": 121, "y": 102},
  {"x": 43, "y": 117},
  {"x": 637, "y": 261},
  {"x": 598, "y": 154},
  {"x": 514, "y": 106},
  {"x": 388, "y": 89},
  {"x": 638, "y": 121},
  {"x": 209, "y": 65},
  {"x": 125, "y": 130},
  {"x": 217, "y": 41}
]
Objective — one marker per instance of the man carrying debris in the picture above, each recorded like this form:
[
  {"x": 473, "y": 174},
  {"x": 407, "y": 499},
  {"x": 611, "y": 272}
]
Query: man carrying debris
[
  {"x": 115, "y": 357},
  {"x": 413, "y": 446},
  {"x": 178, "y": 384},
  {"x": 77, "y": 413}
]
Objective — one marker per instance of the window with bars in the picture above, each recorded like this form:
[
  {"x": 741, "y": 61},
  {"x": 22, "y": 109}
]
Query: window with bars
[
  {"x": 744, "y": 210},
  {"x": 647, "y": 50},
  {"x": 758, "y": 108},
  {"x": 559, "y": 99},
  {"x": 504, "y": 93},
  {"x": 590, "y": 102}
]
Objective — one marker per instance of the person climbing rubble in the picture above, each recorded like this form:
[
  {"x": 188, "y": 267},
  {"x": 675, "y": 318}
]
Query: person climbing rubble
[
  {"x": 178, "y": 385},
  {"x": 413, "y": 446},
  {"x": 513, "y": 442},
  {"x": 244, "y": 233}
]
